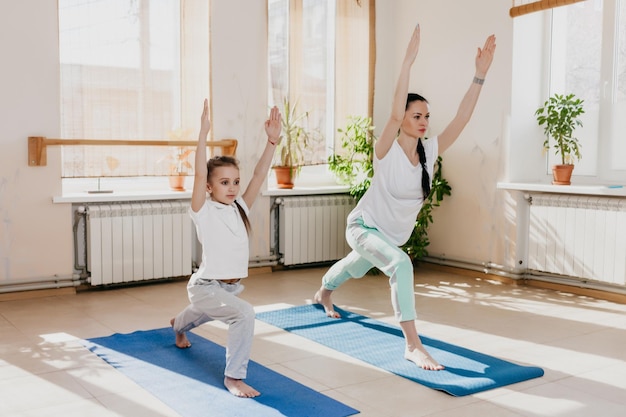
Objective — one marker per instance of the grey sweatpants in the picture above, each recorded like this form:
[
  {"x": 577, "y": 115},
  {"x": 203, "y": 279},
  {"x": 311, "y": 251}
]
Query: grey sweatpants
[{"x": 215, "y": 300}]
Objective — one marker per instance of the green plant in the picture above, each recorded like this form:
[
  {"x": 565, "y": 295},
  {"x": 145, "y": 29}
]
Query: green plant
[
  {"x": 356, "y": 169},
  {"x": 290, "y": 150},
  {"x": 415, "y": 247},
  {"x": 560, "y": 115}
]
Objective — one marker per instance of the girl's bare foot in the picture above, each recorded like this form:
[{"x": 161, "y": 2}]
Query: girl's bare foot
[
  {"x": 181, "y": 338},
  {"x": 322, "y": 296},
  {"x": 421, "y": 358},
  {"x": 239, "y": 388}
]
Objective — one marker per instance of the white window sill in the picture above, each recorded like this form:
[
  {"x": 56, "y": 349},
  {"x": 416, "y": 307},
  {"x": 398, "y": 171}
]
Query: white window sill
[
  {"x": 600, "y": 189},
  {"x": 122, "y": 196},
  {"x": 87, "y": 190},
  {"x": 313, "y": 180},
  {"x": 337, "y": 189}
]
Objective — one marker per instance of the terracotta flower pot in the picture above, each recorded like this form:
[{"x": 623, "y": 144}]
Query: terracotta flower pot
[
  {"x": 562, "y": 174},
  {"x": 285, "y": 176},
  {"x": 177, "y": 182}
]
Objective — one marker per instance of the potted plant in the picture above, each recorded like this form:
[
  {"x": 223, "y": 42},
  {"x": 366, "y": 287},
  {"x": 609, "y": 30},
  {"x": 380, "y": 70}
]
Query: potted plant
[
  {"x": 560, "y": 117},
  {"x": 290, "y": 150},
  {"x": 179, "y": 166},
  {"x": 355, "y": 166}
]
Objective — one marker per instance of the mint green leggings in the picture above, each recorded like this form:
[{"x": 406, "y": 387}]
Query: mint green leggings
[{"x": 371, "y": 249}]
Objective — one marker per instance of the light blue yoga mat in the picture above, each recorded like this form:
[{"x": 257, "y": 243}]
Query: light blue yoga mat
[
  {"x": 190, "y": 381},
  {"x": 382, "y": 345}
]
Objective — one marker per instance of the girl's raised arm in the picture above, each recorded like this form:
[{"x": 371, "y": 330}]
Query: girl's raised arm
[
  {"x": 198, "y": 195},
  {"x": 272, "y": 129}
]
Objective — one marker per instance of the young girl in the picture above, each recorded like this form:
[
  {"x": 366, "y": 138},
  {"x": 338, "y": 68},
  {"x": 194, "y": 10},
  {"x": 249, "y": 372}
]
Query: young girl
[
  {"x": 222, "y": 227},
  {"x": 385, "y": 216}
]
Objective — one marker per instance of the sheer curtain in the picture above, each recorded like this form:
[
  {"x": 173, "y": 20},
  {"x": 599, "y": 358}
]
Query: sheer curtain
[
  {"x": 321, "y": 57},
  {"x": 355, "y": 60},
  {"x": 130, "y": 69}
]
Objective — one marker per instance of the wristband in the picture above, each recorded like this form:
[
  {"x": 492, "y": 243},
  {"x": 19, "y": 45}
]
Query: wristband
[{"x": 479, "y": 81}]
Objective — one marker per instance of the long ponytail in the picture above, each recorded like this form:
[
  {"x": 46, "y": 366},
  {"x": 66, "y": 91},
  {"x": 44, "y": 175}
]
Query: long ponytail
[
  {"x": 425, "y": 175},
  {"x": 244, "y": 217}
]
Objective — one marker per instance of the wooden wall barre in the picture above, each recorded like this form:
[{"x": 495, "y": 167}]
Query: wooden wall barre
[
  {"x": 37, "y": 145},
  {"x": 538, "y": 5}
]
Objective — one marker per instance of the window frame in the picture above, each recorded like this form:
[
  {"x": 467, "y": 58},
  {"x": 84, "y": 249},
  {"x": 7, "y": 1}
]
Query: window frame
[
  {"x": 602, "y": 137},
  {"x": 339, "y": 78},
  {"x": 191, "y": 76}
]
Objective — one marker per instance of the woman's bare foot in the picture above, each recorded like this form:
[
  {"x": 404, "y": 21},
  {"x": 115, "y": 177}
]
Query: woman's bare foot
[
  {"x": 239, "y": 388},
  {"x": 181, "y": 338},
  {"x": 421, "y": 358},
  {"x": 322, "y": 296}
]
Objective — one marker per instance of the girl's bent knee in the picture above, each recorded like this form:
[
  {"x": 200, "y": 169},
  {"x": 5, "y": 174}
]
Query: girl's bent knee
[{"x": 248, "y": 313}]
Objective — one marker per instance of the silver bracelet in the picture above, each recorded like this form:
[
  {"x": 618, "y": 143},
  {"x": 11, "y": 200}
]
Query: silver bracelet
[{"x": 479, "y": 81}]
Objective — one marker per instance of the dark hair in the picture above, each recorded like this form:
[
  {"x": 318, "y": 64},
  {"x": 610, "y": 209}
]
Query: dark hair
[
  {"x": 411, "y": 97},
  {"x": 223, "y": 161}
]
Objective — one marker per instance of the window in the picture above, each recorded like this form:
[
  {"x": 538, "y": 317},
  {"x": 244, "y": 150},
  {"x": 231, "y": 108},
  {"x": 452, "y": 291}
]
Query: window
[
  {"x": 127, "y": 68},
  {"x": 588, "y": 58},
  {"x": 321, "y": 57}
]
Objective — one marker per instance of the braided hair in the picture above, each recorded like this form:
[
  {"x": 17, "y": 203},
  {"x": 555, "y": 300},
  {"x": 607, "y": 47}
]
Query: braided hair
[
  {"x": 221, "y": 161},
  {"x": 411, "y": 97}
]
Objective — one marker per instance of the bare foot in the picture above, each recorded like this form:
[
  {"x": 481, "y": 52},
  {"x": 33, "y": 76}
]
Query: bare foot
[
  {"x": 421, "y": 358},
  {"x": 181, "y": 338},
  {"x": 322, "y": 296},
  {"x": 239, "y": 388}
]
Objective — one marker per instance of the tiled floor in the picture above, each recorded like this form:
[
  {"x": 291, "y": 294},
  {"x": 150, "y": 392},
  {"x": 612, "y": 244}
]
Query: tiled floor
[{"x": 579, "y": 341}]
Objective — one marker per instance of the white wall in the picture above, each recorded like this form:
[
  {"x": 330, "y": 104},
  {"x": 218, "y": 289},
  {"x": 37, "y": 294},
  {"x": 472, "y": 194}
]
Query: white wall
[
  {"x": 474, "y": 224},
  {"x": 239, "y": 86},
  {"x": 35, "y": 235}
]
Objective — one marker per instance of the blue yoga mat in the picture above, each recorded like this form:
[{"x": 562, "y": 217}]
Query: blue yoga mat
[
  {"x": 379, "y": 344},
  {"x": 190, "y": 381}
]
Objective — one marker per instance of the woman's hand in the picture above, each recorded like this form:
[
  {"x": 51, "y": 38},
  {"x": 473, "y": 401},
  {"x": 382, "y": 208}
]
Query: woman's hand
[
  {"x": 484, "y": 57},
  {"x": 414, "y": 46},
  {"x": 273, "y": 126}
]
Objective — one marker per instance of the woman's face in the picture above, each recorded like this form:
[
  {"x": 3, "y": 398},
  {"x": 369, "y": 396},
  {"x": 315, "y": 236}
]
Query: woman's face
[
  {"x": 416, "y": 119},
  {"x": 224, "y": 184}
]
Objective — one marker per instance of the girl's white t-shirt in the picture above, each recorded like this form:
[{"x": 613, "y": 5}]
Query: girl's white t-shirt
[
  {"x": 395, "y": 196},
  {"x": 224, "y": 239}
]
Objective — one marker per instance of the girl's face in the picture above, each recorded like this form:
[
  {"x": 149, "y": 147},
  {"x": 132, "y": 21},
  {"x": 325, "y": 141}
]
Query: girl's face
[
  {"x": 416, "y": 119},
  {"x": 224, "y": 184}
]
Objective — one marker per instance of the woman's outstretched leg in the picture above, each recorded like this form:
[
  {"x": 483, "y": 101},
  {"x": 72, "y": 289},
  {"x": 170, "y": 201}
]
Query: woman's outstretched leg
[
  {"x": 352, "y": 266},
  {"x": 323, "y": 297},
  {"x": 415, "y": 351},
  {"x": 397, "y": 265}
]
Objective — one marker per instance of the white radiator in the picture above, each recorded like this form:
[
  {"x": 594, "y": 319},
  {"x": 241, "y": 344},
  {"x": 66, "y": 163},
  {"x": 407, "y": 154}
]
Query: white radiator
[
  {"x": 312, "y": 228},
  {"x": 138, "y": 241},
  {"x": 578, "y": 236}
]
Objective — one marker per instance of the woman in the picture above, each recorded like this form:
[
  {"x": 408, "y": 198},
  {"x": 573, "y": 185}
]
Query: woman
[{"x": 384, "y": 218}]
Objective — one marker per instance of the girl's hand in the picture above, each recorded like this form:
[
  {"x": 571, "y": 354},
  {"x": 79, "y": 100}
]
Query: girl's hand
[
  {"x": 484, "y": 56},
  {"x": 205, "y": 123},
  {"x": 273, "y": 126}
]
